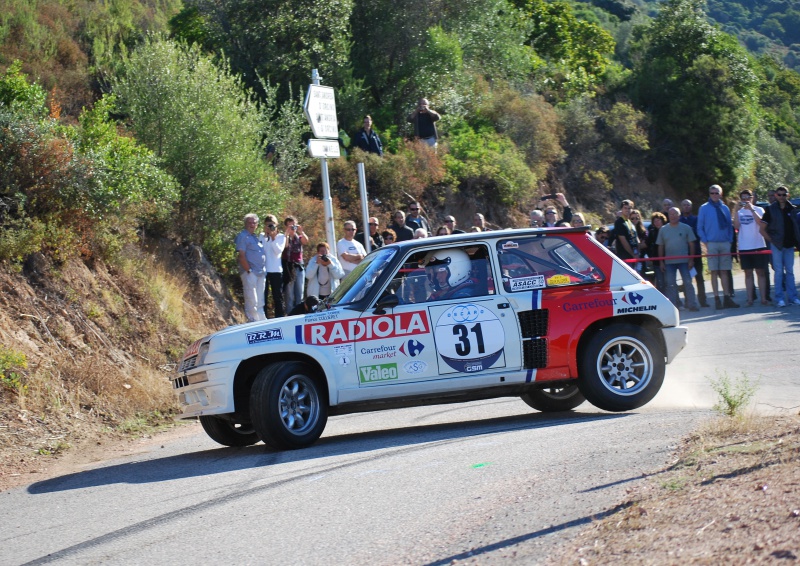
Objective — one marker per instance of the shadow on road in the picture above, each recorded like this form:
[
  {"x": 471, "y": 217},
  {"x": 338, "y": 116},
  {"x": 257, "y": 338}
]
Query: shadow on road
[{"x": 222, "y": 460}]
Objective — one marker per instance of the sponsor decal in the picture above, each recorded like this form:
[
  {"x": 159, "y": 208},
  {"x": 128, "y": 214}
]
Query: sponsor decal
[
  {"x": 379, "y": 353},
  {"x": 380, "y": 372},
  {"x": 343, "y": 354},
  {"x": 558, "y": 280},
  {"x": 510, "y": 245},
  {"x": 415, "y": 367},
  {"x": 469, "y": 337},
  {"x": 411, "y": 348},
  {"x": 344, "y": 361},
  {"x": 628, "y": 310},
  {"x": 527, "y": 283},
  {"x": 319, "y": 316},
  {"x": 366, "y": 328},
  {"x": 632, "y": 298},
  {"x": 268, "y": 335},
  {"x": 586, "y": 305}
]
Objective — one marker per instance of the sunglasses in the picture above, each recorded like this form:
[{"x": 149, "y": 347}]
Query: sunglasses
[
  {"x": 449, "y": 221},
  {"x": 413, "y": 209},
  {"x": 713, "y": 193},
  {"x": 271, "y": 226},
  {"x": 349, "y": 229},
  {"x": 373, "y": 224},
  {"x": 781, "y": 194}
]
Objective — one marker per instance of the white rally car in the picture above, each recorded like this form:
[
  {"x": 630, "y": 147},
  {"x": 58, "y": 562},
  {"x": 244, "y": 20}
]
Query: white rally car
[{"x": 548, "y": 315}]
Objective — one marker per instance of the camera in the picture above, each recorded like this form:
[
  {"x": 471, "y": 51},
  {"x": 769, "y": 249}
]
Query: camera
[
  {"x": 325, "y": 257},
  {"x": 742, "y": 204},
  {"x": 548, "y": 197}
]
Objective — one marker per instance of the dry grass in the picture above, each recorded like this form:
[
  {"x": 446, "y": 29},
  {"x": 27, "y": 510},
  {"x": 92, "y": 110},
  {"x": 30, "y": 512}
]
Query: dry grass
[{"x": 731, "y": 496}]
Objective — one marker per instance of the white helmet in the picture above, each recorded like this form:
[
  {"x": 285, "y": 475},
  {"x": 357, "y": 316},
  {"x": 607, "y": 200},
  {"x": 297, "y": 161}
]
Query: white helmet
[{"x": 456, "y": 262}]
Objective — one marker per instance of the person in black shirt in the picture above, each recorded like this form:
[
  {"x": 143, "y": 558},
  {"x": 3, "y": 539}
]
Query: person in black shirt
[
  {"x": 424, "y": 120},
  {"x": 367, "y": 140}
]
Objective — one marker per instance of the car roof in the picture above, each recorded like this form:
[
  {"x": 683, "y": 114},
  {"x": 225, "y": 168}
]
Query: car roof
[{"x": 489, "y": 235}]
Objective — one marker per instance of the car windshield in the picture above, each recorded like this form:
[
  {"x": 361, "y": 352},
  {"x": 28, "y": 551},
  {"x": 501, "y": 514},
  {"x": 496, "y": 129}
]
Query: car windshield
[{"x": 358, "y": 282}]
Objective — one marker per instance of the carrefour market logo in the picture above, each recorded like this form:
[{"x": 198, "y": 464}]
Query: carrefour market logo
[
  {"x": 365, "y": 328},
  {"x": 412, "y": 348},
  {"x": 380, "y": 372}
]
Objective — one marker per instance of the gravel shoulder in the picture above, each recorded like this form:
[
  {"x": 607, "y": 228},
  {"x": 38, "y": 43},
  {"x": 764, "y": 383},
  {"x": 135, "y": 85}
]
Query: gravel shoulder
[{"x": 732, "y": 493}]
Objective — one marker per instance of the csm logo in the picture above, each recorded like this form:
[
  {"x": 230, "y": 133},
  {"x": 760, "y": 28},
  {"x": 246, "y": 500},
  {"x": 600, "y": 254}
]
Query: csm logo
[
  {"x": 414, "y": 367},
  {"x": 632, "y": 298},
  {"x": 412, "y": 348}
]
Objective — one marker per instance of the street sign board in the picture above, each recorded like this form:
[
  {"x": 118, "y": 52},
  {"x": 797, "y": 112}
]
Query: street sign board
[
  {"x": 320, "y": 111},
  {"x": 323, "y": 148}
]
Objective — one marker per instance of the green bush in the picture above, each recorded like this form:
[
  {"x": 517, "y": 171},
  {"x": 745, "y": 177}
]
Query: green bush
[
  {"x": 11, "y": 364},
  {"x": 734, "y": 394}
]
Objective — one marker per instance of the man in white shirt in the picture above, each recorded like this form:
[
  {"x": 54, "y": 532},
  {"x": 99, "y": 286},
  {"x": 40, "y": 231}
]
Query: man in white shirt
[
  {"x": 747, "y": 221},
  {"x": 350, "y": 251}
]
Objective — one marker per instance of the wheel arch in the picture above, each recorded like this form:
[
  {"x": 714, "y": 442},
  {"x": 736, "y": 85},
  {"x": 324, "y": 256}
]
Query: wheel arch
[
  {"x": 248, "y": 370},
  {"x": 649, "y": 323}
]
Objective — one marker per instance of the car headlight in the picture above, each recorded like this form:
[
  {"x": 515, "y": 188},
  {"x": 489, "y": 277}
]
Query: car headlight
[{"x": 201, "y": 355}]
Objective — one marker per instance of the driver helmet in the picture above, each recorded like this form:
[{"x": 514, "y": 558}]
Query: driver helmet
[{"x": 455, "y": 262}]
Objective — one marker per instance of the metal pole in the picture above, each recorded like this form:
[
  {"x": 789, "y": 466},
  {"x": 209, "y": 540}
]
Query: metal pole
[
  {"x": 327, "y": 201},
  {"x": 362, "y": 187}
]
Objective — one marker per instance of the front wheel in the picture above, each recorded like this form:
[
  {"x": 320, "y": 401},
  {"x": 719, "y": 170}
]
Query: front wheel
[
  {"x": 554, "y": 399},
  {"x": 622, "y": 368},
  {"x": 227, "y": 433},
  {"x": 288, "y": 406}
]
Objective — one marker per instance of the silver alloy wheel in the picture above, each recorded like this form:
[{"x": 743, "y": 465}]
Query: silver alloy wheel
[
  {"x": 298, "y": 404},
  {"x": 625, "y": 365}
]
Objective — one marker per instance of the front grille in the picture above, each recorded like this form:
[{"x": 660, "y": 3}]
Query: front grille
[
  {"x": 534, "y": 323},
  {"x": 187, "y": 364},
  {"x": 534, "y": 353},
  {"x": 180, "y": 381}
]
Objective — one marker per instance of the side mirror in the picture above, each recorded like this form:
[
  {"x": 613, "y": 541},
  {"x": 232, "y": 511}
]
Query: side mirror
[{"x": 388, "y": 301}]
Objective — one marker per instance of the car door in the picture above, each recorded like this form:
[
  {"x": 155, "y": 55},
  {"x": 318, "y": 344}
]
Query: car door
[{"x": 428, "y": 337}]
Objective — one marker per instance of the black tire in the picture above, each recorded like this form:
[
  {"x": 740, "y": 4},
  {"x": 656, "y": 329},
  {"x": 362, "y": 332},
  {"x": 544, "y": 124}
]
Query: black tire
[
  {"x": 288, "y": 406},
  {"x": 227, "y": 433},
  {"x": 554, "y": 399},
  {"x": 622, "y": 368}
]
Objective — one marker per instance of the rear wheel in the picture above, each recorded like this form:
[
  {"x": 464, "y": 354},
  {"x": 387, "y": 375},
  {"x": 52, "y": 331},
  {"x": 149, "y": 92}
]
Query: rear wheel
[
  {"x": 554, "y": 399},
  {"x": 288, "y": 406},
  {"x": 622, "y": 369},
  {"x": 227, "y": 433}
]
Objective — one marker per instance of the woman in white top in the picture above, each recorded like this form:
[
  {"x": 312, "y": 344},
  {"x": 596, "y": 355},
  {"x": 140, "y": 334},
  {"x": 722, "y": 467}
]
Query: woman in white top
[{"x": 323, "y": 272}]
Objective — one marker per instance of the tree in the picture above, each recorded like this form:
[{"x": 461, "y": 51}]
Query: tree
[
  {"x": 205, "y": 129},
  {"x": 701, "y": 89}
]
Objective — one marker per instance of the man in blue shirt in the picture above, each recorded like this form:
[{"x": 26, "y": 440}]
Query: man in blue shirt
[
  {"x": 367, "y": 140},
  {"x": 715, "y": 230},
  {"x": 252, "y": 268}
]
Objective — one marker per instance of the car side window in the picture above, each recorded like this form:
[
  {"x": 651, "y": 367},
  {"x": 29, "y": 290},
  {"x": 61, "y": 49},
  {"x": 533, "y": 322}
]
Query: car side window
[
  {"x": 542, "y": 262},
  {"x": 437, "y": 275}
]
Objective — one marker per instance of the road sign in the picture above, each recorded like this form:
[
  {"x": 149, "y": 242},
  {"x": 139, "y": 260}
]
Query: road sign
[
  {"x": 323, "y": 148},
  {"x": 320, "y": 111}
]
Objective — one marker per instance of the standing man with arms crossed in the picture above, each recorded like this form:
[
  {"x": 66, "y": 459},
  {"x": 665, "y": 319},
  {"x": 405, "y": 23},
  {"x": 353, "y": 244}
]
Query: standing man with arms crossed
[
  {"x": 691, "y": 220},
  {"x": 677, "y": 239},
  {"x": 715, "y": 229},
  {"x": 350, "y": 252},
  {"x": 778, "y": 229},
  {"x": 252, "y": 268},
  {"x": 627, "y": 241}
]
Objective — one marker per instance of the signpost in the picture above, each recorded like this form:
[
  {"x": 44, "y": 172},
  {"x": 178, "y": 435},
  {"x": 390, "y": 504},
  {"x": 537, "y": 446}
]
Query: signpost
[{"x": 320, "y": 111}]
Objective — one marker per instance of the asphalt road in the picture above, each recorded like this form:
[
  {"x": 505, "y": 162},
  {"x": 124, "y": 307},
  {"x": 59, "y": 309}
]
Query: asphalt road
[{"x": 492, "y": 481}]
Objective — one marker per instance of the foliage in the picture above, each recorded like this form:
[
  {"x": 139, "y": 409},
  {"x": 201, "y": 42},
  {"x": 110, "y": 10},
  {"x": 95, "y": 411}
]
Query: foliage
[
  {"x": 11, "y": 363},
  {"x": 279, "y": 40},
  {"x": 285, "y": 126},
  {"x": 19, "y": 95},
  {"x": 484, "y": 162},
  {"x": 701, "y": 89},
  {"x": 206, "y": 131},
  {"x": 734, "y": 394}
]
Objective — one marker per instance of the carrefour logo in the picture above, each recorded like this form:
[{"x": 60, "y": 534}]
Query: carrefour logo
[
  {"x": 632, "y": 298},
  {"x": 412, "y": 348},
  {"x": 381, "y": 372}
]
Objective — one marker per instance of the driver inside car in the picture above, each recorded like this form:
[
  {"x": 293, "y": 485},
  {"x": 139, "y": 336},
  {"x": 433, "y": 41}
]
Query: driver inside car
[{"x": 448, "y": 273}]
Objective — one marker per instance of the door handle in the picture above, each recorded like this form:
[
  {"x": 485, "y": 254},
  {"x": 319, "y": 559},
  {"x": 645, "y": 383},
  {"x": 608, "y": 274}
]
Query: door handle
[{"x": 503, "y": 305}]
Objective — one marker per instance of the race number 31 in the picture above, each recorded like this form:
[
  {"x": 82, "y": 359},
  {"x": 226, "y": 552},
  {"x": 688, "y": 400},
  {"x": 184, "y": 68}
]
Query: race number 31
[{"x": 470, "y": 338}]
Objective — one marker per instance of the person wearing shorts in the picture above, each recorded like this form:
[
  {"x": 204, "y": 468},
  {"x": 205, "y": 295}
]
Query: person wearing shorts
[
  {"x": 715, "y": 229},
  {"x": 747, "y": 221}
]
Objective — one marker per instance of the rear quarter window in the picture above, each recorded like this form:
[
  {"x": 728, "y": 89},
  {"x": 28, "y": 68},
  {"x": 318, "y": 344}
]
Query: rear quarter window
[{"x": 541, "y": 262}]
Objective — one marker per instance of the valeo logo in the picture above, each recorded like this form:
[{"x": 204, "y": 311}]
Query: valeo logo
[{"x": 381, "y": 372}]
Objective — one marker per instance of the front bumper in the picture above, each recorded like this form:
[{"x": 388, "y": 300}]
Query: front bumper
[
  {"x": 675, "y": 339},
  {"x": 211, "y": 396}
]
